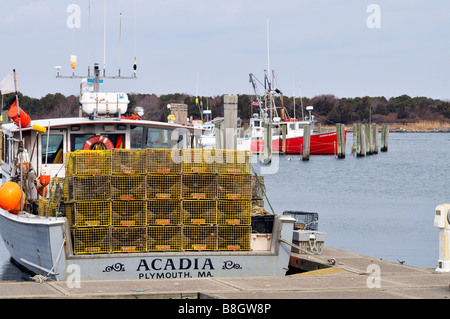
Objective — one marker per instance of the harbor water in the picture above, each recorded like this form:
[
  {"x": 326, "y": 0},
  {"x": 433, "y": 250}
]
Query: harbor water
[{"x": 381, "y": 205}]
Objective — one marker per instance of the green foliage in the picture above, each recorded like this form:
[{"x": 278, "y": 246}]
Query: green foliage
[{"x": 328, "y": 109}]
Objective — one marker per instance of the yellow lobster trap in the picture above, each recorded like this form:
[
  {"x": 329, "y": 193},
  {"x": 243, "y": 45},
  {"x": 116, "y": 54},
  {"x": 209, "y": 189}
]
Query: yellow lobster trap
[
  {"x": 128, "y": 239},
  {"x": 88, "y": 163},
  {"x": 198, "y": 161},
  {"x": 163, "y": 186},
  {"x": 234, "y": 162},
  {"x": 233, "y": 213},
  {"x": 85, "y": 188},
  {"x": 128, "y": 162},
  {"x": 199, "y": 186},
  {"x": 234, "y": 187},
  {"x": 164, "y": 212},
  {"x": 129, "y": 213},
  {"x": 163, "y": 161},
  {"x": 234, "y": 237},
  {"x": 92, "y": 240},
  {"x": 200, "y": 237},
  {"x": 91, "y": 214},
  {"x": 199, "y": 212},
  {"x": 165, "y": 238},
  {"x": 128, "y": 187}
]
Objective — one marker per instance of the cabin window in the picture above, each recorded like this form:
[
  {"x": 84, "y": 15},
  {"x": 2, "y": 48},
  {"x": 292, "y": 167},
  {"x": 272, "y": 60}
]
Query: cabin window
[
  {"x": 77, "y": 141},
  {"x": 137, "y": 137},
  {"x": 55, "y": 153},
  {"x": 292, "y": 126},
  {"x": 158, "y": 137}
]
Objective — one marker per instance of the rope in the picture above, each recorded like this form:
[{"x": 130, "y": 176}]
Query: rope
[
  {"x": 41, "y": 278},
  {"x": 263, "y": 187}
]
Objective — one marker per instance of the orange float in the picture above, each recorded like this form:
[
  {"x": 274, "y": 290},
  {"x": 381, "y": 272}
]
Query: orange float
[
  {"x": 24, "y": 117},
  {"x": 10, "y": 194},
  {"x": 98, "y": 139}
]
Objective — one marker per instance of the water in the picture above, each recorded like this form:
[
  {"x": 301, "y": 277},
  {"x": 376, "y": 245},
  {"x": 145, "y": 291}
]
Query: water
[{"x": 380, "y": 205}]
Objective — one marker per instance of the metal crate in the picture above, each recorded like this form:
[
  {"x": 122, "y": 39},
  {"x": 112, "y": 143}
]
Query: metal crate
[
  {"x": 165, "y": 238},
  {"x": 304, "y": 220}
]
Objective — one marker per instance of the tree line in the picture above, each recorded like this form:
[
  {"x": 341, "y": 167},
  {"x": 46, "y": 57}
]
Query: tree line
[{"x": 328, "y": 109}]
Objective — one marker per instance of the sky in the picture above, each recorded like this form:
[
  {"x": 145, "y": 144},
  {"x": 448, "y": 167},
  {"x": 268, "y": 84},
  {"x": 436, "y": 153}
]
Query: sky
[{"x": 209, "y": 47}]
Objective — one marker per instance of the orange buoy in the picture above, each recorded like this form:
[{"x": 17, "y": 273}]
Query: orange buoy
[
  {"x": 44, "y": 178},
  {"x": 17, "y": 209},
  {"x": 24, "y": 117},
  {"x": 10, "y": 194}
]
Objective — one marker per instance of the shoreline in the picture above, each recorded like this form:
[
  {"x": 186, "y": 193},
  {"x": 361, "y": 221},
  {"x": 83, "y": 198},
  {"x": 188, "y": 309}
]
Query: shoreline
[{"x": 422, "y": 127}]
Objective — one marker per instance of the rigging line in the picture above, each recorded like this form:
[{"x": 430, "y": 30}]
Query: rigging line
[{"x": 104, "y": 39}]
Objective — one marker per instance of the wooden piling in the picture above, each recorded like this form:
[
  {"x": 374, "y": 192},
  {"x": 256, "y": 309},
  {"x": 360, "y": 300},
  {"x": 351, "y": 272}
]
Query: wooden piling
[
  {"x": 283, "y": 130},
  {"x": 218, "y": 135},
  {"x": 306, "y": 142},
  {"x": 319, "y": 127},
  {"x": 360, "y": 149},
  {"x": 340, "y": 137},
  {"x": 368, "y": 139},
  {"x": 374, "y": 138},
  {"x": 384, "y": 137},
  {"x": 355, "y": 133},
  {"x": 267, "y": 154}
]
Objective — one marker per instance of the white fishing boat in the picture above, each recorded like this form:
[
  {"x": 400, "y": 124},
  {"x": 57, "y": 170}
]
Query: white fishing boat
[{"x": 82, "y": 198}]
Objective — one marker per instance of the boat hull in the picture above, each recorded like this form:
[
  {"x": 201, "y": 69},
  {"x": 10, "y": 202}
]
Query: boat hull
[
  {"x": 43, "y": 246},
  {"x": 320, "y": 144},
  {"x": 36, "y": 244}
]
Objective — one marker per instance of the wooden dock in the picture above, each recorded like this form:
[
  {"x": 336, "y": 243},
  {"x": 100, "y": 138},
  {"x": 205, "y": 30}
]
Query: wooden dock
[{"x": 351, "y": 276}]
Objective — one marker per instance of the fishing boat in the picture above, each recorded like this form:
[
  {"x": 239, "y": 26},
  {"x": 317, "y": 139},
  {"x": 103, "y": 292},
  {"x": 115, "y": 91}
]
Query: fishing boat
[
  {"x": 109, "y": 196},
  {"x": 324, "y": 142}
]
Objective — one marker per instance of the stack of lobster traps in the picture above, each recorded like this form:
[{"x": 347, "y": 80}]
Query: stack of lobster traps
[{"x": 121, "y": 201}]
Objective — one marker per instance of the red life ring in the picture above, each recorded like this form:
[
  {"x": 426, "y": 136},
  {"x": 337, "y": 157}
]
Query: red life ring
[{"x": 98, "y": 139}]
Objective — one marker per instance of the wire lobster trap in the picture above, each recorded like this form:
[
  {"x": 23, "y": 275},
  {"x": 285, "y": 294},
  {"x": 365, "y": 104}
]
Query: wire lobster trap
[
  {"x": 128, "y": 187},
  {"x": 233, "y": 161},
  {"x": 234, "y": 187},
  {"x": 162, "y": 161},
  {"x": 233, "y": 213},
  {"x": 91, "y": 214},
  {"x": 234, "y": 237},
  {"x": 128, "y": 162},
  {"x": 129, "y": 213},
  {"x": 88, "y": 163},
  {"x": 199, "y": 212},
  {"x": 165, "y": 238},
  {"x": 128, "y": 239},
  {"x": 200, "y": 237},
  {"x": 85, "y": 188},
  {"x": 164, "y": 212},
  {"x": 199, "y": 186},
  {"x": 198, "y": 161},
  {"x": 92, "y": 240},
  {"x": 163, "y": 186}
]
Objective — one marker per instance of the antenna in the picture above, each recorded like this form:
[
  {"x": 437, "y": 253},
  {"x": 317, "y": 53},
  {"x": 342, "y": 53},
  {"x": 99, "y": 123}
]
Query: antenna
[
  {"x": 268, "y": 47},
  {"x": 120, "y": 40},
  {"x": 104, "y": 39},
  {"x": 89, "y": 38}
]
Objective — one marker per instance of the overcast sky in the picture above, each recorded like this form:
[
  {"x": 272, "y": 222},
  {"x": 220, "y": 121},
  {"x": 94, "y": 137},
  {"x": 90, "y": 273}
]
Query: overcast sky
[{"x": 316, "y": 46}]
